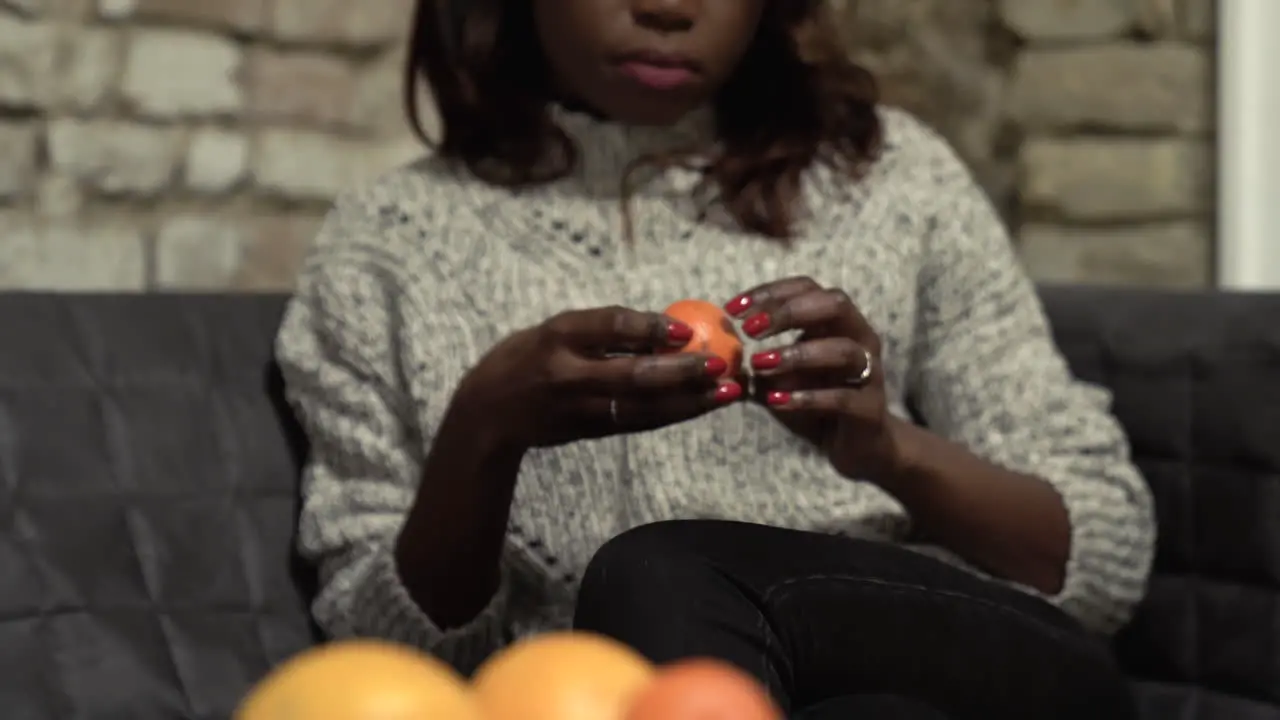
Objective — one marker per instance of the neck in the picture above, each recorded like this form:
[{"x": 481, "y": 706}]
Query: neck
[{"x": 607, "y": 149}]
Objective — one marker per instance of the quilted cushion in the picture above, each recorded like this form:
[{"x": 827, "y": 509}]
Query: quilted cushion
[
  {"x": 1197, "y": 383},
  {"x": 147, "y": 503},
  {"x": 148, "y": 477}
]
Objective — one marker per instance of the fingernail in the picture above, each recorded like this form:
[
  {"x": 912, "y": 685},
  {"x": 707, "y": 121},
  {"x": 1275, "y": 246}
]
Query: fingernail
[
  {"x": 756, "y": 324},
  {"x": 728, "y": 392},
  {"x": 716, "y": 367},
  {"x": 766, "y": 360},
  {"x": 738, "y": 305},
  {"x": 778, "y": 398},
  {"x": 679, "y": 333}
]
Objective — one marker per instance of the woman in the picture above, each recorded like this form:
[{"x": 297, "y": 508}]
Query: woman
[{"x": 499, "y": 447}]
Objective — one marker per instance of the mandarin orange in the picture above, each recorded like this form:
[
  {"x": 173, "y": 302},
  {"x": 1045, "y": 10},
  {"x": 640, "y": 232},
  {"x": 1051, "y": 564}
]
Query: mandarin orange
[
  {"x": 713, "y": 332},
  {"x": 704, "y": 689},
  {"x": 361, "y": 680},
  {"x": 561, "y": 676}
]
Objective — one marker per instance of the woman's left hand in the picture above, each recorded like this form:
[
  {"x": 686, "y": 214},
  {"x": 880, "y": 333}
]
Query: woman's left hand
[{"x": 829, "y": 385}]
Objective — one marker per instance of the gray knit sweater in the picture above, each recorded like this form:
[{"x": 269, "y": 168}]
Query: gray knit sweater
[{"x": 416, "y": 275}]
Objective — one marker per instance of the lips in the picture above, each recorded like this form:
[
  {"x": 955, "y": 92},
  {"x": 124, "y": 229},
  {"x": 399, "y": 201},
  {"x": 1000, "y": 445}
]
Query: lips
[
  {"x": 657, "y": 71},
  {"x": 658, "y": 77}
]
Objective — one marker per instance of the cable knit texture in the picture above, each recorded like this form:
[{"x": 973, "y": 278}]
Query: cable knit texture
[{"x": 414, "y": 277}]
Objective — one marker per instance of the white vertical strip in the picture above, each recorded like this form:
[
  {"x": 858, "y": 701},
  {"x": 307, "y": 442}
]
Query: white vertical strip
[{"x": 1249, "y": 144}]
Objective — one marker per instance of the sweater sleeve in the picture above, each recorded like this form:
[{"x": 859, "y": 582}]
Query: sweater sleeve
[
  {"x": 987, "y": 374},
  {"x": 369, "y": 399}
]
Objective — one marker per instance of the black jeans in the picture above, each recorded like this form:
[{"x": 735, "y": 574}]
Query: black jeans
[{"x": 847, "y": 629}]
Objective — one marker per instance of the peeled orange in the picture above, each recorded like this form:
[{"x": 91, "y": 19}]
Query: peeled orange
[
  {"x": 701, "y": 689},
  {"x": 713, "y": 331},
  {"x": 361, "y": 680},
  {"x": 561, "y": 676}
]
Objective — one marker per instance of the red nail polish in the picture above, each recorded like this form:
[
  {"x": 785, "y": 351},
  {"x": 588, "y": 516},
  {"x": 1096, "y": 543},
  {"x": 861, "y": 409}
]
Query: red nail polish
[
  {"x": 778, "y": 398},
  {"x": 716, "y": 367},
  {"x": 678, "y": 332},
  {"x": 766, "y": 360},
  {"x": 756, "y": 324},
  {"x": 738, "y": 305},
  {"x": 728, "y": 392}
]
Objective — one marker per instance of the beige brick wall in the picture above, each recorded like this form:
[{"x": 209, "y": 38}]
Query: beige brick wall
[{"x": 194, "y": 144}]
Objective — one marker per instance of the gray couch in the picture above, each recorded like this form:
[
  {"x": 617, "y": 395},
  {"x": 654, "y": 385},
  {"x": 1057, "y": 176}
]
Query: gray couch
[{"x": 148, "y": 474}]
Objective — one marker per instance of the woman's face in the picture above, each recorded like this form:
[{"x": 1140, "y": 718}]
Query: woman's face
[{"x": 645, "y": 62}]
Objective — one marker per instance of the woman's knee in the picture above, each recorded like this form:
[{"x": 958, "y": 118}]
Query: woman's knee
[
  {"x": 643, "y": 561},
  {"x": 660, "y": 589},
  {"x": 664, "y": 573}
]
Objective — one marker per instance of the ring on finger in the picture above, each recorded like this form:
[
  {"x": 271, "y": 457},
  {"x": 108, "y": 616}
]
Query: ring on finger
[
  {"x": 613, "y": 410},
  {"x": 868, "y": 367}
]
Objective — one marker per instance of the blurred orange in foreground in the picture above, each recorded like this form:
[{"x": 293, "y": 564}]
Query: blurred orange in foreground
[
  {"x": 561, "y": 676},
  {"x": 713, "y": 331},
  {"x": 361, "y": 680},
  {"x": 701, "y": 689}
]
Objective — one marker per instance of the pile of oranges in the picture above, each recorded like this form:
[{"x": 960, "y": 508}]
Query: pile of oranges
[{"x": 555, "y": 676}]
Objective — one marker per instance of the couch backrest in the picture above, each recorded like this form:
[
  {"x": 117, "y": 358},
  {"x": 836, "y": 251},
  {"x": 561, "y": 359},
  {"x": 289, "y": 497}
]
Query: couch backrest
[
  {"x": 1196, "y": 379},
  {"x": 148, "y": 472},
  {"x": 148, "y": 476}
]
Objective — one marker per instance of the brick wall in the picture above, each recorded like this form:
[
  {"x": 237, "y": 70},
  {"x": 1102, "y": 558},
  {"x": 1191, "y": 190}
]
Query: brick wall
[
  {"x": 1089, "y": 121},
  {"x": 195, "y": 143}
]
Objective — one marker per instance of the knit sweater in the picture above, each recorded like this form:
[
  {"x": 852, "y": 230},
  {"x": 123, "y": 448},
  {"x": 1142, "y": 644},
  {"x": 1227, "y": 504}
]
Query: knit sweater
[{"x": 415, "y": 276}]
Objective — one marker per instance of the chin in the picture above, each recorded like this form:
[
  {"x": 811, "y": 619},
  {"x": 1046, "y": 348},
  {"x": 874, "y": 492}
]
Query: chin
[{"x": 652, "y": 114}]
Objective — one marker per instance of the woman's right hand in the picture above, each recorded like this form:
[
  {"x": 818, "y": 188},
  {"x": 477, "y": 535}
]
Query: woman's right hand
[{"x": 590, "y": 373}]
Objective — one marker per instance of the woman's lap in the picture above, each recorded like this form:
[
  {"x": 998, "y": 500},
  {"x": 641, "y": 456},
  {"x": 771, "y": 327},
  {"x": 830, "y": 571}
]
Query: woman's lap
[{"x": 820, "y": 618}]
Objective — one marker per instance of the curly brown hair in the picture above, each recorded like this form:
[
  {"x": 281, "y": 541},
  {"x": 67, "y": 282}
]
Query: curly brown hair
[{"x": 795, "y": 99}]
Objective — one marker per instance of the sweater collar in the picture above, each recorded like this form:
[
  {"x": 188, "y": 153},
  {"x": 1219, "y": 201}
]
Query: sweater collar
[{"x": 607, "y": 149}]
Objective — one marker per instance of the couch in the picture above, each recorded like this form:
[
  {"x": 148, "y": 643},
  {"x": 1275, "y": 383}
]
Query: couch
[{"x": 148, "y": 471}]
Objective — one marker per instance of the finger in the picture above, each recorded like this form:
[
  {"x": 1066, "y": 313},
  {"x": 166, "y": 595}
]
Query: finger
[
  {"x": 638, "y": 414},
  {"x": 827, "y": 401},
  {"x": 618, "y": 329},
  {"x": 762, "y": 385},
  {"x": 842, "y": 358},
  {"x": 637, "y": 374},
  {"x": 820, "y": 312},
  {"x": 764, "y": 298}
]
